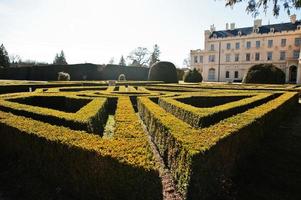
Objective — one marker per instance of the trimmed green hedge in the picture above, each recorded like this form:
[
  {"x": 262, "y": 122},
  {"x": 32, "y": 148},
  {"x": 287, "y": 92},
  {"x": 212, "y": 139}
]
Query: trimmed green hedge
[
  {"x": 203, "y": 117},
  {"x": 91, "y": 117},
  {"x": 85, "y": 165},
  {"x": 201, "y": 160}
]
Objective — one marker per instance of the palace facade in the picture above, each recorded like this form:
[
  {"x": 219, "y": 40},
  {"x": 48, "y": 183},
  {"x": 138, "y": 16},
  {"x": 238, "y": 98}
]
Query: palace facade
[{"x": 228, "y": 54}]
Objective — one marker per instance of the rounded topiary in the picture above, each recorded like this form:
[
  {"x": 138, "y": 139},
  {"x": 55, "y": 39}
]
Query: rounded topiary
[
  {"x": 163, "y": 71},
  {"x": 121, "y": 77},
  {"x": 63, "y": 76},
  {"x": 193, "y": 76},
  {"x": 265, "y": 74}
]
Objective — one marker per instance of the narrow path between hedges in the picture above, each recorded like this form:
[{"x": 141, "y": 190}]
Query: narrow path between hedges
[
  {"x": 169, "y": 188},
  {"x": 274, "y": 171}
]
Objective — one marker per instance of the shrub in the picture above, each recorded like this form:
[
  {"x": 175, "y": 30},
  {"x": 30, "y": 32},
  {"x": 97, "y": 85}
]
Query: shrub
[
  {"x": 121, "y": 77},
  {"x": 62, "y": 76},
  {"x": 193, "y": 76},
  {"x": 163, "y": 71},
  {"x": 265, "y": 74}
]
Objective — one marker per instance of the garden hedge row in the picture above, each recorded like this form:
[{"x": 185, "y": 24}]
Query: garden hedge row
[
  {"x": 86, "y": 165},
  {"x": 91, "y": 117},
  {"x": 203, "y": 117},
  {"x": 203, "y": 160}
]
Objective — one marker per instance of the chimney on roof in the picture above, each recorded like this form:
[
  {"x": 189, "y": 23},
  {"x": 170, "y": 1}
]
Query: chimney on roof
[
  {"x": 293, "y": 19},
  {"x": 227, "y": 26},
  {"x": 232, "y": 26},
  {"x": 257, "y": 23}
]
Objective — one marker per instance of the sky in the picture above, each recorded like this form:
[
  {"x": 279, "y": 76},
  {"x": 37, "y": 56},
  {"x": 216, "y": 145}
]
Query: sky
[{"x": 94, "y": 31}]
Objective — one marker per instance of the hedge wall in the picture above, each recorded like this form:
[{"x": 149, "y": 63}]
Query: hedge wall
[
  {"x": 86, "y": 165},
  {"x": 202, "y": 160},
  {"x": 91, "y": 117},
  {"x": 203, "y": 117},
  {"x": 77, "y": 72}
]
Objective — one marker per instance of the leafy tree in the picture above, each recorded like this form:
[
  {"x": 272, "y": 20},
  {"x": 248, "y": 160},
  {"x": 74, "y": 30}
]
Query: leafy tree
[
  {"x": 4, "y": 59},
  {"x": 155, "y": 55},
  {"x": 122, "y": 61},
  {"x": 139, "y": 56},
  {"x": 253, "y": 6},
  {"x": 60, "y": 59}
]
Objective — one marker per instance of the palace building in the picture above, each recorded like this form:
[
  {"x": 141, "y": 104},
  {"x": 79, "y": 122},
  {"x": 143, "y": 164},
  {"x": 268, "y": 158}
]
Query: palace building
[{"x": 228, "y": 54}]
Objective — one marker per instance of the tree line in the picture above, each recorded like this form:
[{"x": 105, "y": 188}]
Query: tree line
[{"x": 140, "y": 57}]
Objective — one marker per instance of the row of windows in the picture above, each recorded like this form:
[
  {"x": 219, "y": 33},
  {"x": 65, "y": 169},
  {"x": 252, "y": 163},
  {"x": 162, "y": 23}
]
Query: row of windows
[
  {"x": 282, "y": 56},
  {"x": 227, "y": 74},
  {"x": 258, "y": 44},
  {"x": 211, "y": 74}
]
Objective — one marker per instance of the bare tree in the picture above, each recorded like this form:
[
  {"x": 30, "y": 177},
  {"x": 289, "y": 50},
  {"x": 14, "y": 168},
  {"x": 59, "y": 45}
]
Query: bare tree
[
  {"x": 139, "y": 56},
  {"x": 112, "y": 60}
]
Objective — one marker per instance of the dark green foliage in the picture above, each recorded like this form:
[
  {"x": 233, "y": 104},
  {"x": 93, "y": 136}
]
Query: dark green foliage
[
  {"x": 60, "y": 59},
  {"x": 155, "y": 55},
  {"x": 265, "y": 74},
  {"x": 163, "y": 71},
  {"x": 4, "y": 59},
  {"x": 193, "y": 76},
  {"x": 122, "y": 61},
  {"x": 112, "y": 72},
  {"x": 253, "y": 6}
]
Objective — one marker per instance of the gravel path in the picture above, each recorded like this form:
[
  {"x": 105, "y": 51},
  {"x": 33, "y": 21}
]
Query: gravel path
[{"x": 169, "y": 188}]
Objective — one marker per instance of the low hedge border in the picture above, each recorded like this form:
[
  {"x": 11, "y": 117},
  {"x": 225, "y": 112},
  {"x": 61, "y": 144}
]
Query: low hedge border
[
  {"x": 203, "y": 117},
  {"x": 91, "y": 118},
  {"x": 82, "y": 164},
  {"x": 202, "y": 159}
]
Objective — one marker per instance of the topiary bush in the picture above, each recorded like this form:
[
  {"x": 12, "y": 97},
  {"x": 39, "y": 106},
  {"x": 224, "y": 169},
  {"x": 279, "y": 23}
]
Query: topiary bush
[
  {"x": 121, "y": 77},
  {"x": 265, "y": 74},
  {"x": 192, "y": 76},
  {"x": 163, "y": 71},
  {"x": 63, "y": 76}
]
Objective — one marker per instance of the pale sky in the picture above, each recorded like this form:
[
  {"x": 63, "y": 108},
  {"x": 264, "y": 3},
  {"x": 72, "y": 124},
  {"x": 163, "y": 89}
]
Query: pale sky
[{"x": 94, "y": 31}]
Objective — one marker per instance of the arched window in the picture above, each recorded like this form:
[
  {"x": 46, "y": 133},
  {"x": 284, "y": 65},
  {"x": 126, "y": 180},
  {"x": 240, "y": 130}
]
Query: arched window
[
  {"x": 227, "y": 74},
  {"x": 211, "y": 74}
]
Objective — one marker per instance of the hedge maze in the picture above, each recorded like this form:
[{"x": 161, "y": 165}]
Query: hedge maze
[{"x": 95, "y": 141}]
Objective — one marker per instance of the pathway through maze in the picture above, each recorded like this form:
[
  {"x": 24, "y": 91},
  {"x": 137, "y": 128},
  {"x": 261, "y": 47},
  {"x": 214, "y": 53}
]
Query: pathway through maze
[{"x": 151, "y": 141}]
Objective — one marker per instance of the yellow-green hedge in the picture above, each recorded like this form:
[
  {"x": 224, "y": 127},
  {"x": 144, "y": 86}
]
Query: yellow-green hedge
[
  {"x": 85, "y": 165},
  {"x": 203, "y": 117},
  {"x": 202, "y": 159},
  {"x": 91, "y": 117}
]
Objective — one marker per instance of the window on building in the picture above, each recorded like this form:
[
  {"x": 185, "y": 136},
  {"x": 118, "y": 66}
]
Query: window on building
[
  {"x": 212, "y": 47},
  {"x": 248, "y": 45},
  {"x": 211, "y": 58},
  {"x": 296, "y": 54},
  {"x": 237, "y": 45},
  {"x": 248, "y": 57},
  {"x": 236, "y": 57},
  {"x": 283, "y": 42},
  {"x": 297, "y": 42},
  {"x": 282, "y": 55},
  {"x": 270, "y": 43},
  {"x": 228, "y": 46},
  {"x": 257, "y": 56},
  {"x": 236, "y": 74},
  {"x": 211, "y": 74},
  {"x": 257, "y": 44},
  {"x": 269, "y": 55},
  {"x": 227, "y": 74},
  {"x": 195, "y": 59},
  {"x": 228, "y": 57},
  {"x": 201, "y": 59}
]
